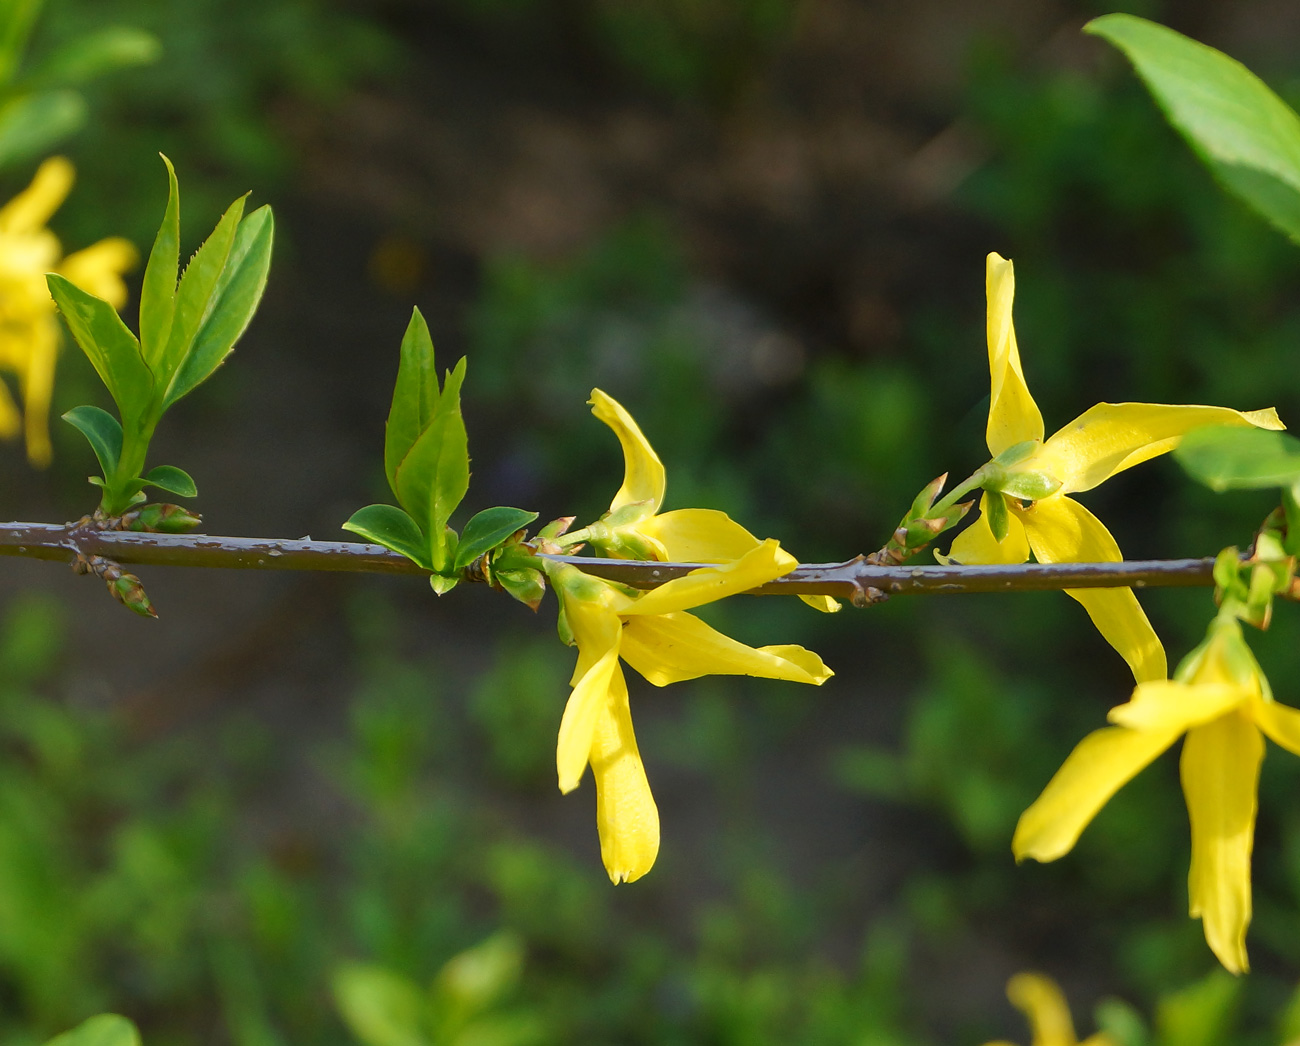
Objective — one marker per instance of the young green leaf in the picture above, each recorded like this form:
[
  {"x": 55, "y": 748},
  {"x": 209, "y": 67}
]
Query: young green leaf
[
  {"x": 433, "y": 478},
  {"x": 1229, "y": 457},
  {"x": 380, "y": 1008},
  {"x": 171, "y": 479},
  {"x": 106, "y": 1029},
  {"x": 195, "y": 292},
  {"x": 93, "y": 54},
  {"x": 107, "y": 343},
  {"x": 391, "y": 527},
  {"x": 158, "y": 292},
  {"x": 1245, "y": 134},
  {"x": 488, "y": 529},
  {"x": 103, "y": 432},
  {"x": 234, "y": 300},
  {"x": 415, "y": 395},
  {"x": 31, "y": 124}
]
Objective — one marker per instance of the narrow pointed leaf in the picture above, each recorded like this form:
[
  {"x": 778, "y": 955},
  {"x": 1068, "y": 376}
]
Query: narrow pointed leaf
[
  {"x": 1231, "y": 458},
  {"x": 93, "y": 54},
  {"x": 107, "y": 343},
  {"x": 415, "y": 395},
  {"x": 31, "y": 124},
  {"x": 158, "y": 292},
  {"x": 234, "y": 300},
  {"x": 171, "y": 479},
  {"x": 102, "y": 430},
  {"x": 197, "y": 290},
  {"x": 391, "y": 527},
  {"x": 488, "y": 529},
  {"x": 105, "y": 1029}
]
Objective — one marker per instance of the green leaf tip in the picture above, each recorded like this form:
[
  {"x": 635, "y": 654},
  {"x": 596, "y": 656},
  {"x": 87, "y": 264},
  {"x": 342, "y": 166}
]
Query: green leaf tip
[
  {"x": 171, "y": 479},
  {"x": 391, "y": 527},
  {"x": 1231, "y": 457},
  {"x": 105, "y": 1029},
  {"x": 488, "y": 529},
  {"x": 103, "y": 432}
]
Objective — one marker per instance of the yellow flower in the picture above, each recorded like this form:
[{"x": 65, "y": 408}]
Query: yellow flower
[
  {"x": 29, "y": 329},
  {"x": 634, "y": 528},
  {"x": 1039, "y": 475},
  {"x": 1040, "y": 1000},
  {"x": 653, "y": 633},
  {"x": 1221, "y": 700}
]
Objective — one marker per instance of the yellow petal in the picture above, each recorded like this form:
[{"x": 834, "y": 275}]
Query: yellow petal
[
  {"x": 37, "y": 384},
  {"x": 1220, "y": 772},
  {"x": 1163, "y": 704},
  {"x": 698, "y": 535},
  {"x": 1060, "y": 530},
  {"x": 755, "y": 568},
  {"x": 626, "y": 815},
  {"x": 1112, "y": 437},
  {"x": 11, "y": 421},
  {"x": 1013, "y": 415},
  {"x": 826, "y": 604},
  {"x": 594, "y": 623},
  {"x": 669, "y": 648},
  {"x": 98, "y": 269},
  {"x": 643, "y": 472},
  {"x": 32, "y": 207},
  {"x": 976, "y": 544},
  {"x": 1042, "y": 1003},
  {"x": 1100, "y": 765},
  {"x": 581, "y": 715},
  {"x": 1280, "y": 723}
]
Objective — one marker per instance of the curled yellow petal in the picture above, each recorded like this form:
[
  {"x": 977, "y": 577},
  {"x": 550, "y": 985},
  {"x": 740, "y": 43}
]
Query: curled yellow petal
[
  {"x": 626, "y": 815},
  {"x": 1220, "y": 774},
  {"x": 643, "y": 472},
  {"x": 98, "y": 269},
  {"x": 1013, "y": 415},
  {"x": 1044, "y": 1006},
  {"x": 1060, "y": 530},
  {"x": 1112, "y": 437},
  {"x": 581, "y": 715},
  {"x": 1163, "y": 704},
  {"x": 32, "y": 207},
  {"x": 669, "y": 648},
  {"x": 757, "y": 567},
  {"x": 977, "y": 545},
  {"x": 1101, "y": 764}
]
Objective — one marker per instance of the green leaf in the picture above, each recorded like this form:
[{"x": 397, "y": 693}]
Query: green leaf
[
  {"x": 107, "y": 343},
  {"x": 391, "y": 527},
  {"x": 234, "y": 300},
  {"x": 31, "y": 124},
  {"x": 92, "y": 55},
  {"x": 1246, "y": 135},
  {"x": 106, "y": 1029},
  {"x": 197, "y": 289},
  {"x": 433, "y": 478},
  {"x": 996, "y": 509},
  {"x": 488, "y": 529},
  {"x": 1234, "y": 458},
  {"x": 380, "y": 1008},
  {"x": 415, "y": 396},
  {"x": 158, "y": 292},
  {"x": 102, "y": 430},
  {"x": 171, "y": 479}
]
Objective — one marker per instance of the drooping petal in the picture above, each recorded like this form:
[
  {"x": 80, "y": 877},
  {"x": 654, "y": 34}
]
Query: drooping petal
[
  {"x": 37, "y": 384},
  {"x": 1280, "y": 723},
  {"x": 596, "y": 629},
  {"x": 1101, "y": 764},
  {"x": 977, "y": 545},
  {"x": 1044, "y": 1006},
  {"x": 1060, "y": 530},
  {"x": 1163, "y": 704},
  {"x": 626, "y": 816},
  {"x": 32, "y": 207},
  {"x": 757, "y": 567},
  {"x": 1013, "y": 415},
  {"x": 98, "y": 269},
  {"x": 1112, "y": 437},
  {"x": 1220, "y": 773},
  {"x": 669, "y": 648},
  {"x": 643, "y": 472},
  {"x": 11, "y": 421},
  {"x": 582, "y": 713},
  {"x": 699, "y": 535}
]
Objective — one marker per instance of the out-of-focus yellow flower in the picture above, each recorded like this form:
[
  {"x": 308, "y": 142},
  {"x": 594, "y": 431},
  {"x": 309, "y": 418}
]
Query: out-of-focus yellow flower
[
  {"x": 1039, "y": 475},
  {"x": 29, "y": 329},
  {"x": 634, "y": 528},
  {"x": 1220, "y": 699},
  {"x": 1042, "y": 1002},
  {"x": 652, "y": 632}
]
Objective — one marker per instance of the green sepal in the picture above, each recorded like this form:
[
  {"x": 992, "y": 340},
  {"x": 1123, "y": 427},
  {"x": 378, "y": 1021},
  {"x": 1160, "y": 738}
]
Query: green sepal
[
  {"x": 442, "y": 583},
  {"x": 233, "y": 302},
  {"x": 995, "y": 509},
  {"x": 1028, "y": 486},
  {"x": 389, "y": 526},
  {"x": 111, "y": 348},
  {"x": 102, "y": 430},
  {"x": 1228, "y": 457},
  {"x": 171, "y": 479},
  {"x": 105, "y": 1029},
  {"x": 158, "y": 291},
  {"x": 527, "y": 586},
  {"x": 1018, "y": 452},
  {"x": 563, "y": 628},
  {"x": 486, "y": 530},
  {"x": 1227, "y": 574},
  {"x": 415, "y": 396}
]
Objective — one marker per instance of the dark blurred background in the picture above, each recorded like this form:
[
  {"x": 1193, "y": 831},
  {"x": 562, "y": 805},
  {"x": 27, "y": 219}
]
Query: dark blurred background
[{"x": 760, "y": 224}]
